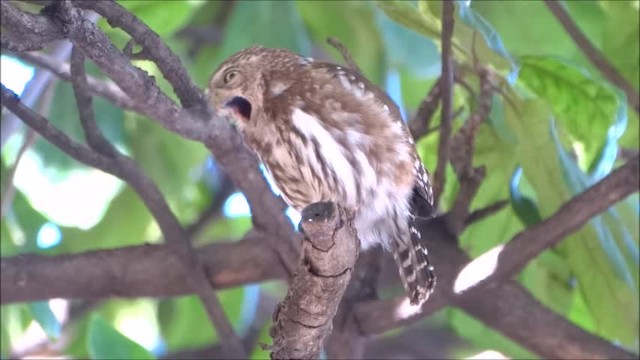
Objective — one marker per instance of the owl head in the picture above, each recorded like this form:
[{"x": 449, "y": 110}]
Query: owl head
[{"x": 238, "y": 88}]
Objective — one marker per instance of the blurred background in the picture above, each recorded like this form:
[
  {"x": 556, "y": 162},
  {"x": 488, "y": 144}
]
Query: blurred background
[{"x": 53, "y": 205}]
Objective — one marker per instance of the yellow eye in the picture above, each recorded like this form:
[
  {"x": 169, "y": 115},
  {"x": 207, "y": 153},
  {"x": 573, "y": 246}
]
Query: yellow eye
[{"x": 230, "y": 76}]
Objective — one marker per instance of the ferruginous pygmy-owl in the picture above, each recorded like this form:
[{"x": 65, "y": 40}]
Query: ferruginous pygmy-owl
[{"x": 325, "y": 133}]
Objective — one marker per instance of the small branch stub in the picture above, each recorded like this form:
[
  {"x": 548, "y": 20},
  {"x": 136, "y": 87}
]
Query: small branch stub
[{"x": 304, "y": 318}]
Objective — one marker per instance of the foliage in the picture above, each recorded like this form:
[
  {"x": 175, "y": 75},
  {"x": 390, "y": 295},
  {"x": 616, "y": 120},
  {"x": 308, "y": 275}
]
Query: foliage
[{"x": 558, "y": 122}]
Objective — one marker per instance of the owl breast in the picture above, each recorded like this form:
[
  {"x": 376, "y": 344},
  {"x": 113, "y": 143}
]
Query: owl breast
[{"x": 362, "y": 171}]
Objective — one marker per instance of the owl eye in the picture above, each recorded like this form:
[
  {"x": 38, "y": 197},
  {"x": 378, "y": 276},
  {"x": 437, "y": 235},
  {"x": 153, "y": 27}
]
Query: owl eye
[{"x": 229, "y": 76}]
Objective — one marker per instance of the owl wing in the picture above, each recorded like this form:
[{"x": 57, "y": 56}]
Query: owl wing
[{"x": 422, "y": 201}]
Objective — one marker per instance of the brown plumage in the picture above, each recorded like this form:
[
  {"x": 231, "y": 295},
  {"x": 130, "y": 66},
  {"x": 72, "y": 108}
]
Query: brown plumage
[{"x": 325, "y": 133}]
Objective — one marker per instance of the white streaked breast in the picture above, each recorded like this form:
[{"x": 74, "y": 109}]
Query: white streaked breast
[{"x": 332, "y": 152}]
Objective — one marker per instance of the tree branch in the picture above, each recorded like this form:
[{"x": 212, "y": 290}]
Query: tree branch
[
  {"x": 134, "y": 81},
  {"x": 26, "y": 31},
  {"x": 42, "y": 126},
  {"x": 558, "y": 335},
  {"x": 105, "y": 89},
  {"x": 572, "y": 216},
  {"x": 136, "y": 271},
  {"x": 593, "y": 54},
  {"x": 330, "y": 249},
  {"x": 217, "y": 134},
  {"x": 447, "y": 100},
  {"x": 420, "y": 123},
  {"x": 169, "y": 64},
  {"x": 461, "y": 150},
  {"x": 173, "y": 232}
]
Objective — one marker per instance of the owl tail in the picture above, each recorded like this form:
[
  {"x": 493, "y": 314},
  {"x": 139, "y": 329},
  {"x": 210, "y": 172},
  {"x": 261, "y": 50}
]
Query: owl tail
[{"x": 416, "y": 271}]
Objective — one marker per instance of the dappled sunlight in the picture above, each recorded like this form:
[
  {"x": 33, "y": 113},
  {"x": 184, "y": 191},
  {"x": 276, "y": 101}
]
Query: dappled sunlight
[
  {"x": 34, "y": 334},
  {"x": 405, "y": 310},
  {"x": 488, "y": 355},
  {"x": 15, "y": 74},
  {"x": 137, "y": 321},
  {"x": 478, "y": 270},
  {"x": 88, "y": 190}
]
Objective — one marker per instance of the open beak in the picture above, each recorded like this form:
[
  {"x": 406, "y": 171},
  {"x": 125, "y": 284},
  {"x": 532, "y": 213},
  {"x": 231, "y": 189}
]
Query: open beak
[{"x": 239, "y": 108}]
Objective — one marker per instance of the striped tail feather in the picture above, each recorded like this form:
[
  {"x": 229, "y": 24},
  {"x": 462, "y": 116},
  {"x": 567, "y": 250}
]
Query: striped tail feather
[{"x": 416, "y": 270}]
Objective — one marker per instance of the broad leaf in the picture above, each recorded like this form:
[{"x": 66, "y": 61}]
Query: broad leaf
[{"x": 105, "y": 342}]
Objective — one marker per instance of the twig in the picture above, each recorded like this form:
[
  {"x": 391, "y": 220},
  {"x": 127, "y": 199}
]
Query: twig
[
  {"x": 42, "y": 126},
  {"x": 173, "y": 232},
  {"x": 10, "y": 189},
  {"x": 84, "y": 102},
  {"x": 330, "y": 249},
  {"x": 447, "y": 100},
  {"x": 213, "y": 210},
  {"x": 168, "y": 62},
  {"x": 345, "y": 54},
  {"x": 105, "y": 89},
  {"x": 461, "y": 155},
  {"x": 419, "y": 125},
  {"x": 485, "y": 212},
  {"x": 593, "y": 54}
]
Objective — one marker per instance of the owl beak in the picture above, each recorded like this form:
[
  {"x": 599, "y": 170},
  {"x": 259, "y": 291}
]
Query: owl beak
[{"x": 239, "y": 107}]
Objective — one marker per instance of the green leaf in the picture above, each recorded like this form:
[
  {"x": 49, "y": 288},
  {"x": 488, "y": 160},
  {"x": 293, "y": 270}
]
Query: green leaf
[
  {"x": 575, "y": 98},
  {"x": 168, "y": 159},
  {"x": 406, "y": 14},
  {"x": 44, "y": 316},
  {"x": 405, "y": 48},
  {"x": 610, "y": 300},
  {"x": 105, "y": 342},
  {"x": 491, "y": 37},
  {"x": 185, "y": 324},
  {"x": 525, "y": 208},
  {"x": 545, "y": 35},
  {"x": 163, "y": 17},
  {"x": 549, "y": 279},
  {"x": 267, "y": 23},
  {"x": 484, "y": 337},
  {"x": 579, "y": 182},
  {"x": 351, "y": 22},
  {"x": 126, "y": 222},
  {"x": 621, "y": 38},
  {"x": 258, "y": 352}
]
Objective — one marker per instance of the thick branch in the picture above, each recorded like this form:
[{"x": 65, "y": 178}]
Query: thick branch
[
  {"x": 572, "y": 216},
  {"x": 217, "y": 134},
  {"x": 136, "y": 271},
  {"x": 593, "y": 54},
  {"x": 330, "y": 249},
  {"x": 26, "y": 31},
  {"x": 556, "y": 337},
  {"x": 134, "y": 81},
  {"x": 174, "y": 233}
]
